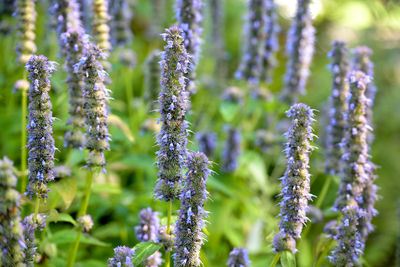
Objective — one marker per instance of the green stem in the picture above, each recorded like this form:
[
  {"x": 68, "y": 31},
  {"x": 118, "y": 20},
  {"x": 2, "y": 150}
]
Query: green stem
[
  {"x": 129, "y": 97},
  {"x": 75, "y": 249},
  {"x": 23, "y": 139},
  {"x": 52, "y": 206},
  {"x": 324, "y": 191},
  {"x": 168, "y": 255},
  {"x": 322, "y": 254},
  {"x": 275, "y": 260}
]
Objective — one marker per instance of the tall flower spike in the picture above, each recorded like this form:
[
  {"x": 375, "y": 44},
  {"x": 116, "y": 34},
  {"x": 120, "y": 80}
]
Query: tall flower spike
[
  {"x": 75, "y": 42},
  {"x": 40, "y": 127},
  {"x": 238, "y": 257},
  {"x": 121, "y": 22},
  {"x": 26, "y": 15},
  {"x": 189, "y": 236},
  {"x": 11, "y": 242},
  {"x": 123, "y": 257},
  {"x": 207, "y": 143},
  {"x": 295, "y": 183},
  {"x": 30, "y": 225},
  {"x": 339, "y": 68},
  {"x": 173, "y": 101},
  {"x": 188, "y": 13},
  {"x": 354, "y": 175},
  {"x": 148, "y": 230},
  {"x": 271, "y": 45},
  {"x": 153, "y": 73},
  {"x": 158, "y": 13},
  {"x": 251, "y": 66},
  {"x": 232, "y": 150},
  {"x": 299, "y": 50},
  {"x": 101, "y": 29},
  {"x": 95, "y": 96}
]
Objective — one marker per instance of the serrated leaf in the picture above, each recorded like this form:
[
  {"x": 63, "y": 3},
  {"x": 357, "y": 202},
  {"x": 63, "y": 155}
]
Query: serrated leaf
[
  {"x": 288, "y": 259},
  {"x": 54, "y": 216},
  {"x": 228, "y": 110},
  {"x": 143, "y": 251},
  {"x": 67, "y": 189},
  {"x": 118, "y": 122},
  {"x": 69, "y": 236}
]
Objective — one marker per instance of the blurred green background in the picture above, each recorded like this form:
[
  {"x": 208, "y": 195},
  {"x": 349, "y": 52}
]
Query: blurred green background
[{"x": 242, "y": 205}]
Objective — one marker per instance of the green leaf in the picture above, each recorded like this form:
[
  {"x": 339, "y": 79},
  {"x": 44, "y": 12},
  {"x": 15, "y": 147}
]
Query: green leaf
[
  {"x": 288, "y": 259},
  {"x": 228, "y": 110},
  {"x": 69, "y": 236},
  {"x": 143, "y": 251},
  {"x": 54, "y": 216},
  {"x": 118, "y": 122},
  {"x": 214, "y": 183},
  {"x": 67, "y": 189}
]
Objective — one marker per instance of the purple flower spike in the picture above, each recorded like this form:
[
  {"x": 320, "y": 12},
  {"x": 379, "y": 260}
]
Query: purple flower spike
[
  {"x": 299, "y": 50},
  {"x": 123, "y": 257},
  {"x": 232, "y": 150},
  {"x": 338, "y": 106},
  {"x": 238, "y": 257},
  {"x": 189, "y": 236},
  {"x": 26, "y": 16},
  {"x": 153, "y": 73},
  {"x": 173, "y": 101},
  {"x": 40, "y": 127},
  {"x": 30, "y": 225},
  {"x": 207, "y": 143},
  {"x": 296, "y": 181},
  {"x": 121, "y": 22},
  {"x": 101, "y": 29}
]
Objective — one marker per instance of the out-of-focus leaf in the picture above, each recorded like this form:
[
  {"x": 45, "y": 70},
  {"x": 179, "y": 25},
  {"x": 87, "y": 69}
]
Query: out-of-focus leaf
[
  {"x": 255, "y": 238},
  {"x": 69, "y": 236},
  {"x": 228, "y": 110},
  {"x": 253, "y": 166},
  {"x": 90, "y": 263},
  {"x": 67, "y": 189},
  {"x": 107, "y": 188},
  {"x": 143, "y": 251},
  {"x": 288, "y": 259},
  {"x": 214, "y": 183},
  {"x": 118, "y": 122},
  {"x": 54, "y": 216},
  {"x": 143, "y": 161}
]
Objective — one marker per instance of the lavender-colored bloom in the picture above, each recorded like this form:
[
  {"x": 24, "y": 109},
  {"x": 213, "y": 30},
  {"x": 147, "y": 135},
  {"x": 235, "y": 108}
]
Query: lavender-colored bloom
[
  {"x": 153, "y": 74},
  {"x": 101, "y": 29},
  {"x": 85, "y": 222},
  {"x": 11, "y": 241},
  {"x": 123, "y": 257},
  {"x": 95, "y": 96},
  {"x": 148, "y": 230},
  {"x": 299, "y": 49},
  {"x": 233, "y": 94},
  {"x": 207, "y": 143},
  {"x": 30, "y": 225},
  {"x": 26, "y": 16},
  {"x": 295, "y": 183},
  {"x": 40, "y": 130},
  {"x": 355, "y": 175},
  {"x": 165, "y": 239},
  {"x": 251, "y": 66},
  {"x": 173, "y": 101},
  {"x": 75, "y": 43},
  {"x": 188, "y": 14},
  {"x": 271, "y": 45},
  {"x": 238, "y": 257},
  {"x": 283, "y": 241},
  {"x": 232, "y": 150},
  {"x": 121, "y": 33},
  {"x": 190, "y": 222},
  {"x": 338, "y": 106}
]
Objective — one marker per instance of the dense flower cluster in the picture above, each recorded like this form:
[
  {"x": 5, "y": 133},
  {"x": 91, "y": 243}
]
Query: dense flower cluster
[
  {"x": 338, "y": 106},
  {"x": 148, "y": 230},
  {"x": 299, "y": 49},
  {"x": 190, "y": 222},
  {"x": 121, "y": 17},
  {"x": 296, "y": 181},
  {"x": 11, "y": 241},
  {"x": 238, "y": 257},
  {"x": 75, "y": 43},
  {"x": 153, "y": 73},
  {"x": 251, "y": 66},
  {"x": 95, "y": 96},
  {"x": 40, "y": 130},
  {"x": 123, "y": 257},
  {"x": 189, "y": 15},
  {"x": 30, "y": 225},
  {"x": 354, "y": 175},
  {"x": 26, "y": 15},
  {"x": 101, "y": 29},
  {"x": 232, "y": 150},
  {"x": 207, "y": 143},
  {"x": 85, "y": 222},
  {"x": 173, "y": 101}
]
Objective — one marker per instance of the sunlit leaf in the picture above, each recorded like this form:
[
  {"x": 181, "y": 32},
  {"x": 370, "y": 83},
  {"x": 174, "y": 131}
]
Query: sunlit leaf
[
  {"x": 118, "y": 122},
  {"x": 288, "y": 259},
  {"x": 143, "y": 251}
]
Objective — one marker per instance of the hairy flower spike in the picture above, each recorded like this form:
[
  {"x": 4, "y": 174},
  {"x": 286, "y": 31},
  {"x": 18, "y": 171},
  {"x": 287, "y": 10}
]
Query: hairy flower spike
[
  {"x": 251, "y": 65},
  {"x": 95, "y": 96},
  {"x": 173, "y": 101},
  {"x": 11, "y": 241},
  {"x": 121, "y": 27},
  {"x": 189, "y": 236},
  {"x": 338, "y": 106},
  {"x": 153, "y": 74},
  {"x": 295, "y": 183},
  {"x": 148, "y": 230},
  {"x": 232, "y": 150},
  {"x": 207, "y": 143},
  {"x": 354, "y": 176},
  {"x": 238, "y": 257},
  {"x": 101, "y": 29},
  {"x": 299, "y": 49},
  {"x": 75, "y": 43},
  {"x": 85, "y": 222},
  {"x": 40, "y": 127},
  {"x": 123, "y": 257},
  {"x": 26, "y": 16},
  {"x": 30, "y": 225},
  {"x": 188, "y": 14},
  {"x": 271, "y": 45}
]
